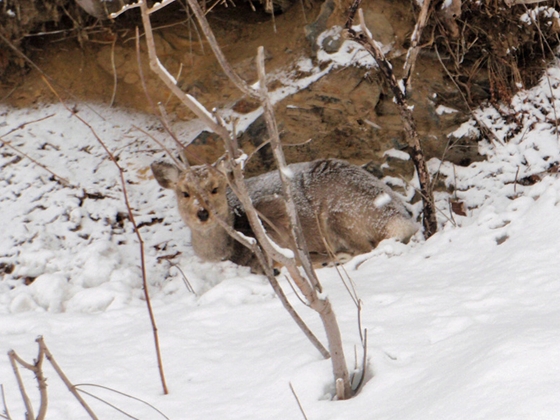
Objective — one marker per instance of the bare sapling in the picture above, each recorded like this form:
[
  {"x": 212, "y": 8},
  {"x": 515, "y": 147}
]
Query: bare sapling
[
  {"x": 206, "y": 204},
  {"x": 343, "y": 210}
]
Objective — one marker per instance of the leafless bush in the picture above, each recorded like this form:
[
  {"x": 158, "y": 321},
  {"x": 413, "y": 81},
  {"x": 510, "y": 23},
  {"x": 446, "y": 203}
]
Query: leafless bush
[{"x": 75, "y": 389}]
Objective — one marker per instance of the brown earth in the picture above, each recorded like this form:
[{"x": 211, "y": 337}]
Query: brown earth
[{"x": 347, "y": 114}]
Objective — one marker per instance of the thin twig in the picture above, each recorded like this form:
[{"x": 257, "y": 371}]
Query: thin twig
[
  {"x": 178, "y": 77},
  {"x": 37, "y": 369},
  {"x": 371, "y": 46},
  {"x": 360, "y": 383},
  {"x": 351, "y": 290},
  {"x": 485, "y": 129},
  {"x": 149, "y": 98},
  {"x": 414, "y": 49},
  {"x": 42, "y": 383},
  {"x": 114, "y": 407},
  {"x": 27, "y": 402},
  {"x": 287, "y": 187},
  {"x": 228, "y": 70},
  {"x": 190, "y": 102},
  {"x": 6, "y": 414},
  {"x": 185, "y": 279},
  {"x": 124, "y": 394},
  {"x": 63, "y": 180},
  {"x": 64, "y": 378},
  {"x": 160, "y": 144},
  {"x": 296, "y": 292},
  {"x": 138, "y": 235},
  {"x": 114, "y": 68},
  {"x": 298, "y": 401}
]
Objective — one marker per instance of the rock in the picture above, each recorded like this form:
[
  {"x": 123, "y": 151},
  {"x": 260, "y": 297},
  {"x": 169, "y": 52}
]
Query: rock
[{"x": 380, "y": 28}]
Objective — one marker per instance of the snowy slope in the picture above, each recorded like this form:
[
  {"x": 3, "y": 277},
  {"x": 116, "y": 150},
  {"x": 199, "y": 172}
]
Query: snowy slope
[{"x": 465, "y": 325}]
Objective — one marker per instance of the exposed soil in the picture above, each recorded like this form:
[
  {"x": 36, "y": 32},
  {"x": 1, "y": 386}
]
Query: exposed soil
[{"x": 347, "y": 114}]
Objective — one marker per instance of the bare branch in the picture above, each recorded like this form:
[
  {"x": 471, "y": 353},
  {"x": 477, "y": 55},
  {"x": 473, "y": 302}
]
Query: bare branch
[
  {"x": 484, "y": 128},
  {"x": 190, "y": 102},
  {"x": 158, "y": 6},
  {"x": 124, "y": 9},
  {"x": 27, "y": 402},
  {"x": 233, "y": 76},
  {"x": 414, "y": 49},
  {"x": 163, "y": 118},
  {"x": 297, "y": 232},
  {"x": 409, "y": 125},
  {"x": 64, "y": 378}
]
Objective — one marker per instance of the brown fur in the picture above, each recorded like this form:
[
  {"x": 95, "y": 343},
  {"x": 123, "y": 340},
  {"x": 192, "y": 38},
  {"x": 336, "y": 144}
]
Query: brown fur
[{"x": 344, "y": 210}]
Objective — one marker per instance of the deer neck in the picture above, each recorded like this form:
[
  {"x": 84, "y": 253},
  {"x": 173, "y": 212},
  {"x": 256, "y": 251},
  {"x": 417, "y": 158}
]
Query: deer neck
[{"x": 212, "y": 244}]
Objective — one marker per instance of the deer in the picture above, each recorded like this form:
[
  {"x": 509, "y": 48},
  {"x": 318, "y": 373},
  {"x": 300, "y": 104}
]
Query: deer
[{"x": 343, "y": 210}]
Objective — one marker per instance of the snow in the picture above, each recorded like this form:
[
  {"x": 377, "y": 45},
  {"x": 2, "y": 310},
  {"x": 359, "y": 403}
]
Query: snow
[
  {"x": 442, "y": 109},
  {"x": 461, "y": 326},
  {"x": 382, "y": 200},
  {"x": 396, "y": 154}
]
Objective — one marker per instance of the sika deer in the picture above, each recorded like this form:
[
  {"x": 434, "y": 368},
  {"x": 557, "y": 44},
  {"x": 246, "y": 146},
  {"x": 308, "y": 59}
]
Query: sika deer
[{"x": 343, "y": 210}]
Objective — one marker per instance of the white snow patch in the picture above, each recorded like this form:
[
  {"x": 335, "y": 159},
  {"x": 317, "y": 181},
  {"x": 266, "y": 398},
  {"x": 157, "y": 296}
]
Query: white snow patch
[
  {"x": 442, "y": 109},
  {"x": 382, "y": 200},
  {"x": 397, "y": 154}
]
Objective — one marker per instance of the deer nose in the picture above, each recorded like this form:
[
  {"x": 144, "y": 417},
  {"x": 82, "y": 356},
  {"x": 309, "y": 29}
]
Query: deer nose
[{"x": 203, "y": 215}]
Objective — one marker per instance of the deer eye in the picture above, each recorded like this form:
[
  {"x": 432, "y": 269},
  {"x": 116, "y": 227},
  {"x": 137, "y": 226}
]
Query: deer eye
[
  {"x": 215, "y": 191},
  {"x": 186, "y": 194}
]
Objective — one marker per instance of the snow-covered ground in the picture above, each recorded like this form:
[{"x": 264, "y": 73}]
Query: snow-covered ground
[{"x": 465, "y": 325}]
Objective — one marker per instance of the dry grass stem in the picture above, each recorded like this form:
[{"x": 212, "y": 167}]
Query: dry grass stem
[
  {"x": 184, "y": 277},
  {"x": 124, "y": 394},
  {"x": 114, "y": 407}
]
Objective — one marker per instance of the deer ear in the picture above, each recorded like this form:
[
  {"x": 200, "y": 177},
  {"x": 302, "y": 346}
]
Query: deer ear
[
  {"x": 166, "y": 174},
  {"x": 220, "y": 166},
  {"x": 183, "y": 156}
]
